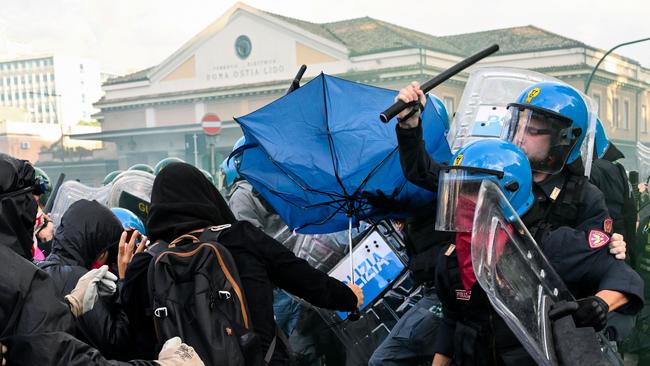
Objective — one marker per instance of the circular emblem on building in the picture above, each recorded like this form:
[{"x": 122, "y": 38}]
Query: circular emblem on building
[{"x": 243, "y": 47}]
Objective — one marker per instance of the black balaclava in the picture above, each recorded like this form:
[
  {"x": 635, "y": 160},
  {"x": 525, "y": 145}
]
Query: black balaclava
[
  {"x": 87, "y": 229},
  {"x": 17, "y": 205},
  {"x": 182, "y": 200}
]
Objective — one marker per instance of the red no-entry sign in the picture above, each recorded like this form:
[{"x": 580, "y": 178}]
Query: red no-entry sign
[{"x": 211, "y": 124}]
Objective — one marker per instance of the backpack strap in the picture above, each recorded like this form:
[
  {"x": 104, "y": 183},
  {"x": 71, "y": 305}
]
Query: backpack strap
[
  {"x": 212, "y": 233},
  {"x": 283, "y": 338}
]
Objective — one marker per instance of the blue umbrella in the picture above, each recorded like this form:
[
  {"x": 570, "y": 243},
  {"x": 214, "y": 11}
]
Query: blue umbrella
[{"x": 321, "y": 158}]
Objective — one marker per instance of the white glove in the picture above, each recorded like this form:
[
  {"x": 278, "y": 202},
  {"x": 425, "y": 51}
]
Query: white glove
[
  {"x": 97, "y": 282},
  {"x": 3, "y": 350},
  {"x": 176, "y": 353}
]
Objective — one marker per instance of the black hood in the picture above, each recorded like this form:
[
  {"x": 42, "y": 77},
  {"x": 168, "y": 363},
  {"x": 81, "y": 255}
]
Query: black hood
[
  {"x": 87, "y": 229},
  {"x": 17, "y": 211},
  {"x": 183, "y": 200}
]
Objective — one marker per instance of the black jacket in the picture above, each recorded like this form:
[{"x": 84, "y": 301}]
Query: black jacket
[
  {"x": 87, "y": 229},
  {"x": 179, "y": 206},
  {"x": 610, "y": 177},
  {"x": 34, "y": 323},
  {"x": 422, "y": 241}
]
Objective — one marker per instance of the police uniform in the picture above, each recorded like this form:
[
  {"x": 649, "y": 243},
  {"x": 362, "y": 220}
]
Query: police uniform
[
  {"x": 574, "y": 237},
  {"x": 570, "y": 223},
  {"x": 610, "y": 177}
]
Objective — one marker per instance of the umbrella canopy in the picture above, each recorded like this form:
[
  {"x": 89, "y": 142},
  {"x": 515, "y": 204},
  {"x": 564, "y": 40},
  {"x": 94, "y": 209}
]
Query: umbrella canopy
[{"x": 320, "y": 155}]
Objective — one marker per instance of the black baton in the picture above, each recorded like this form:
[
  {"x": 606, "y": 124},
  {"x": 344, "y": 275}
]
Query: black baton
[{"x": 399, "y": 106}]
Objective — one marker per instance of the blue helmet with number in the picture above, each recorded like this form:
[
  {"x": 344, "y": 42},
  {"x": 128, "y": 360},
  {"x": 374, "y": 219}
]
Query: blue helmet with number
[
  {"x": 549, "y": 121},
  {"x": 490, "y": 159}
]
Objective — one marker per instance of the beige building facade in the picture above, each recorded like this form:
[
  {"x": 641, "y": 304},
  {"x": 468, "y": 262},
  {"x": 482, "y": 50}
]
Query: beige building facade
[{"x": 247, "y": 58}]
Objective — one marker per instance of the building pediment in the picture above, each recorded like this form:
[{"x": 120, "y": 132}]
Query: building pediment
[{"x": 245, "y": 45}]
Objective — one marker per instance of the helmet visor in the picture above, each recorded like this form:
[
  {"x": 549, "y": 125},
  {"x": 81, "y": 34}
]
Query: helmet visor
[
  {"x": 458, "y": 190},
  {"x": 545, "y": 137}
]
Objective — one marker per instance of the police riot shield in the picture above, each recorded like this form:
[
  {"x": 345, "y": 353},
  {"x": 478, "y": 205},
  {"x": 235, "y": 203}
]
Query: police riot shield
[
  {"x": 516, "y": 276},
  {"x": 587, "y": 148},
  {"x": 70, "y": 192},
  {"x": 389, "y": 291},
  {"x": 482, "y": 109},
  {"x": 132, "y": 190}
]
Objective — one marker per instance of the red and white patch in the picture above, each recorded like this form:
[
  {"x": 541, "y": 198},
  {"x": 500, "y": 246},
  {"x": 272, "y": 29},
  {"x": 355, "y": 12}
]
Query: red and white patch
[
  {"x": 608, "y": 225},
  {"x": 463, "y": 295},
  {"x": 597, "y": 239}
]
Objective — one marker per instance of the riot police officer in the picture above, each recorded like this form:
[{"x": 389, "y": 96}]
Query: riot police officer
[{"x": 548, "y": 122}]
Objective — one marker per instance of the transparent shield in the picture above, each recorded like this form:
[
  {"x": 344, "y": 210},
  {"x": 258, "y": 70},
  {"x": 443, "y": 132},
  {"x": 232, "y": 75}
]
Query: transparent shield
[
  {"x": 482, "y": 109},
  {"x": 518, "y": 279},
  {"x": 587, "y": 148},
  {"x": 132, "y": 190},
  {"x": 457, "y": 195},
  {"x": 71, "y": 192},
  {"x": 546, "y": 139}
]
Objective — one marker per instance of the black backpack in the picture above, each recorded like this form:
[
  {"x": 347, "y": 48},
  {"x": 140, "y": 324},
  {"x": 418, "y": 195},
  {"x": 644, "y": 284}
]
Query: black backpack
[{"x": 196, "y": 294}]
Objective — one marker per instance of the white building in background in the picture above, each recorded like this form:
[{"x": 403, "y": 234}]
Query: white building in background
[
  {"x": 52, "y": 89},
  {"x": 43, "y": 97}
]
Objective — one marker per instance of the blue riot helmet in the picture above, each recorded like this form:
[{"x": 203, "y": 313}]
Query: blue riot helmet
[
  {"x": 441, "y": 110},
  {"x": 237, "y": 158},
  {"x": 129, "y": 220},
  {"x": 229, "y": 170},
  {"x": 227, "y": 173},
  {"x": 491, "y": 159},
  {"x": 549, "y": 122},
  {"x": 601, "y": 141}
]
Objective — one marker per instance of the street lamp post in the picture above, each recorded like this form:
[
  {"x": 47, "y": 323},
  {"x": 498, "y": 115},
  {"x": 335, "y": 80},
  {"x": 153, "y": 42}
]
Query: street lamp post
[{"x": 605, "y": 55}]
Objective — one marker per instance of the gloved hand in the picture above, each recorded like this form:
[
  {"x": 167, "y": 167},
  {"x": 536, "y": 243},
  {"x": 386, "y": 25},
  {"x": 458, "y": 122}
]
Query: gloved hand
[
  {"x": 176, "y": 353},
  {"x": 358, "y": 292},
  {"x": 592, "y": 312},
  {"x": 3, "y": 350},
  {"x": 617, "y": 246},
  {"x": 587, "y": 312},
  {"x": 97, "y": 282}
]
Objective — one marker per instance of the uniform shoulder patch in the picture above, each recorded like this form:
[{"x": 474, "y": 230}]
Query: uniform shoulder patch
[
  {"x": 608, "y": 225},
  {"x": 597, "y": 239}
]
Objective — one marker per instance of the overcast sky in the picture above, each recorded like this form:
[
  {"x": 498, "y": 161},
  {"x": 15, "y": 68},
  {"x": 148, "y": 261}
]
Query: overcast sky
[{"x": 128, "y": 35}]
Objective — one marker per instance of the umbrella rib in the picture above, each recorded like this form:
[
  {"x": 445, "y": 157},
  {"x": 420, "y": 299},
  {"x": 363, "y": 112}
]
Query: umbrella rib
[
  {"x": 324, "y": 220},
  {"x": 330, "y": 142},
  {"x": 329, "y": 203},
  {"x": 373, "y": 171},
  {"x": 303, "y": 187}
]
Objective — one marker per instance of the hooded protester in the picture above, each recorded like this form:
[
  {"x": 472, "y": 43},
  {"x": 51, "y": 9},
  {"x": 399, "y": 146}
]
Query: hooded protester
[
  {"x": 183, "y": 201},
  {"x": 33, "y": 321},
  {"x": 87, "y": 232}
]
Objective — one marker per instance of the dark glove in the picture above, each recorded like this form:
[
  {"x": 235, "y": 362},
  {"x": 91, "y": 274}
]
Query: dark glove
[
  {"x": 380, "y": 200},
  {"x": 587, "y": 312},
  {"x": 592, "y": 312}
]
